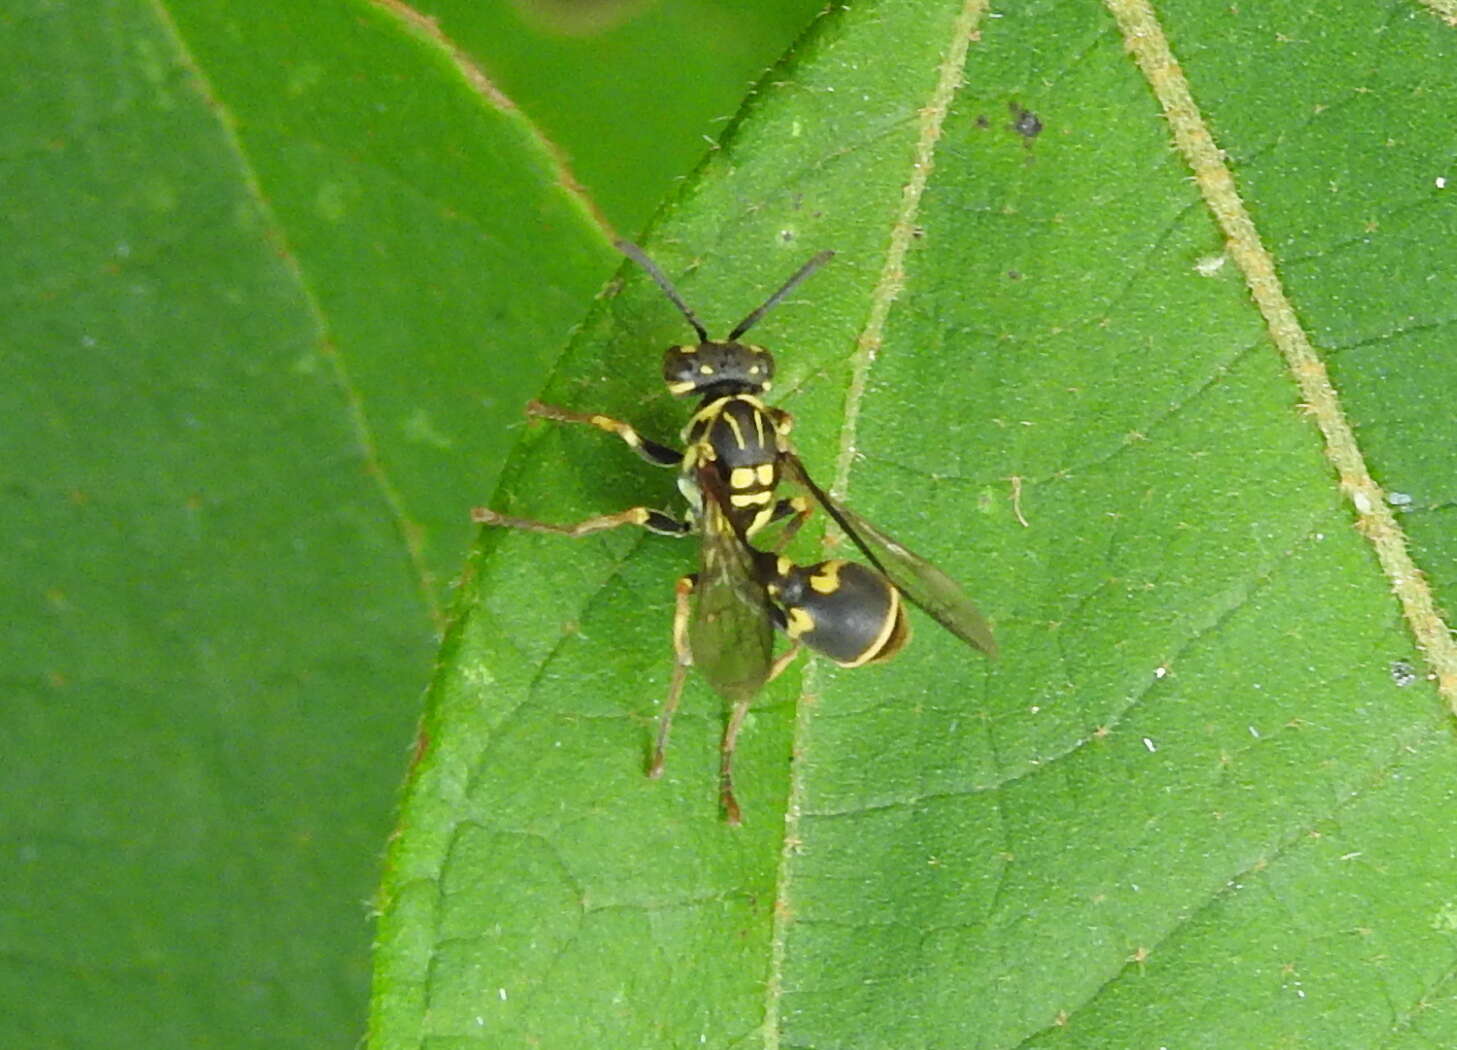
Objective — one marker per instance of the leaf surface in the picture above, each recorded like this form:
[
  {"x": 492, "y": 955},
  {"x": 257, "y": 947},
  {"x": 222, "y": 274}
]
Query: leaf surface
[
  {"x": 1192, "y": 804},
  {"x": 646, "y": 84}
]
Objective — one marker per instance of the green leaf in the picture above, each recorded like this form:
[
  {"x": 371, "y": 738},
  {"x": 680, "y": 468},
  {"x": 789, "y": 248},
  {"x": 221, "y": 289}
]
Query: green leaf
[
  {"x": 649, "y": 82},
  {"x": 1197, "y": 802},
  {"x": 414, "y": 201}
]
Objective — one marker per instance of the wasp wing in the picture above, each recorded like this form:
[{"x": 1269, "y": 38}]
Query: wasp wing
[
  {"x": 915, "y": 577},
  {"x": 731, "y": 632}
]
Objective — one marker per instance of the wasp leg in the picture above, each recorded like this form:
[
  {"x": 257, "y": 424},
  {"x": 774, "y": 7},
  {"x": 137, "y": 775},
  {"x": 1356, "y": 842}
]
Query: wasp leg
[
  {"x": 782, "y": 663},
  {"x": 732, "y": 815},
  {"x": 652, "y": 520},
  {"x": 654, "y": 453},
  {"x": 797, "y": 510},
  {"x": 682, "y": 660},
  {"x": 731, "y": 811}
]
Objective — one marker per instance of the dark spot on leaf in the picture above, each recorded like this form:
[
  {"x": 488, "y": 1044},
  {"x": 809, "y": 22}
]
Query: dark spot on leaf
[{"x": 1024, "y": 122}]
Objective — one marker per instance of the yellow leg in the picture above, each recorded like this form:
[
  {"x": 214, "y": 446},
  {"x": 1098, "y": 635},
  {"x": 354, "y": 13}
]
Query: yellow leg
[
  {"x": 659, "y": 455},
  {"x": 653, "y": 520},
  {"x": 682, "y": 660},
  {"x": 785, "y": 659},
  {"x": 731, "y": 812},
  {"x": 798, "y": 511}
]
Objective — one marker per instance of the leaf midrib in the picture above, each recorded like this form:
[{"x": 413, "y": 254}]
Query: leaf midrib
[{"x": 886, "y": 289}]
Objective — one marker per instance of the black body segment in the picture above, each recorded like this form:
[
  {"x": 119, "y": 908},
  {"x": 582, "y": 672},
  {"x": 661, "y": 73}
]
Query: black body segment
[
  {"x": 737, "y": 439},
  {"x": 839, "y": 609}
]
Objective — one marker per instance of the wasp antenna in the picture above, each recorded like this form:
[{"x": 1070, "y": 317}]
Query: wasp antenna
[
  {"x": 773, "y": 301},
  {"x": 637, "y": 255}
]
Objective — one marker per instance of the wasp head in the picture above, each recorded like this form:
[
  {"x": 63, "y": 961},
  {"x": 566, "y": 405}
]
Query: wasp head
[{"x": 718, "y": 369}]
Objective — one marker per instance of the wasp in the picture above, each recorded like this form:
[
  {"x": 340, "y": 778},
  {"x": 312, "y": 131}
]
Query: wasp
[{"x": 737, "y": 454}]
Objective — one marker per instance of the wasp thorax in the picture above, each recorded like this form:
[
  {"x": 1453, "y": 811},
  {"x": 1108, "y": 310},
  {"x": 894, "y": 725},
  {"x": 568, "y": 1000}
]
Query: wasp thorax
[{"x": 727, "y": 368}]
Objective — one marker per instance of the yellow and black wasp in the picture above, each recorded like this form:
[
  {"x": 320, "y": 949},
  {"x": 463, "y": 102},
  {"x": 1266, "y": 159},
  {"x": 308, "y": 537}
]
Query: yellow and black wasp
[{"x": 737, "y": 453}]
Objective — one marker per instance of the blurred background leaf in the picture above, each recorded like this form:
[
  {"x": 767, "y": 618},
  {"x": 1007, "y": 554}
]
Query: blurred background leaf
[
  {"x": 1204, "y": 797},
  {"x": 633, "y": 91},
  {"x": 278, "y": 279}
]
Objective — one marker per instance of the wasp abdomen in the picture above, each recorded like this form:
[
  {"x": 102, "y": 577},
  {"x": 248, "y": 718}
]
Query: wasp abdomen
[{"x": 840, "y": 609}]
